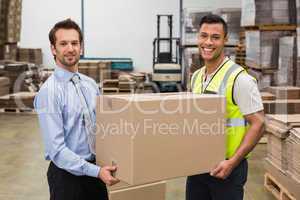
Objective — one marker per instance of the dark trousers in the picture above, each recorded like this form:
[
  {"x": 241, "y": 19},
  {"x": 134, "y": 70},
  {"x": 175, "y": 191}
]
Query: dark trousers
[
  {"x": 66, "y": 186},
  {"x": 206, "y": 187}
]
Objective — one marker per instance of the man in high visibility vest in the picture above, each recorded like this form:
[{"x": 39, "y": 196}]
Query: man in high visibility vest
[{"x": 244, "y": 114}]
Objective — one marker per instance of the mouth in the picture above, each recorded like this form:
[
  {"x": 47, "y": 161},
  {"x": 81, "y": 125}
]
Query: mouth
[
  {"x": 207, "y": 50},
  {"x": 69, "y": 57}
]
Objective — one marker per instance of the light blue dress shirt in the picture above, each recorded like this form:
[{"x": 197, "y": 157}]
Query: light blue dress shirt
[{"x": 60, "y": 114}]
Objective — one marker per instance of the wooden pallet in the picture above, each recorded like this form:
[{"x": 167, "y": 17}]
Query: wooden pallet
[
  {"x": 109, "y": 90},
  {"x": 17, "y": 110},
  {"x": 274, "y": 187},
  {"x": 272, "y": 27},
  {"x": 127, "y": 91}
]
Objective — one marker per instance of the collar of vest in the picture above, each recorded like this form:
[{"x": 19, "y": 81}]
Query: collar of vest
[{"x": 217, "y": 83}]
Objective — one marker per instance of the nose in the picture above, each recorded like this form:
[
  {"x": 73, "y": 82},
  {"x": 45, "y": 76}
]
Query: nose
[
  {"x": 208, "y": 40},
  {"x": 70, "y": 47}
]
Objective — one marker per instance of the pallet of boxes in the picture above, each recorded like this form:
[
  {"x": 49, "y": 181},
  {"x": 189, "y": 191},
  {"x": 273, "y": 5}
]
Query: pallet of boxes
[
  {"x": 270, "y": 41},
  {"x": 283, "y": 161},
  {"x": 17, "y": 65},
  {"x": 152, "y": 138},
  {"x": 15, "y": 93}
]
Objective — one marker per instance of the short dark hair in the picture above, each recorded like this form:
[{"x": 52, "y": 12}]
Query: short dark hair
[
  {"x": 65, "y": 24},
  {"x": 214, "y": 19}
]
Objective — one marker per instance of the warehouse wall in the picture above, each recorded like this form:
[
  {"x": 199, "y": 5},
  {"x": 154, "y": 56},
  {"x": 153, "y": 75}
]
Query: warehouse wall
[
  {"x": 113, "y": 28},
  {"x": 39, "y": 16},
  {"x": 214, "y": 4}
]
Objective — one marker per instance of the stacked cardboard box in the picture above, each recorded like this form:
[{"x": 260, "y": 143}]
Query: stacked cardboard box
[
  {"x": 282, "y": 106},
  {"x": 30, "y": 55},
  {"x": 267, "y": 96},
  {"x": 20, "y": 100},
  {"x": 262, "y": 48},
  {"x": 298, "y": 72},
  {"x": 4, "y": 85},
  {"x": 16, "y": 72},
  {"x": 138, "y": 77},
  {"x": 287, "y": 100},
  {"x": 126, "y": 83},
  {"x": 283, "y": 147},
  {"x": 283, "y": 179},
  {"x": 136, "y": 132},
  {"x": 278, "y": 129},
  {"x": 153, "y": 191},
  {"x": 293, "y": 153},
  {"x": 109, "y": 86},
  {"x": 104, "y": 70},
  {"x": 10, "y": 26},
  {"x": 258, "y": 12},
  {"x": 8, "y": 51},
  {"x": 282, "y": 92},
  {"x": 96, "y": 69}
]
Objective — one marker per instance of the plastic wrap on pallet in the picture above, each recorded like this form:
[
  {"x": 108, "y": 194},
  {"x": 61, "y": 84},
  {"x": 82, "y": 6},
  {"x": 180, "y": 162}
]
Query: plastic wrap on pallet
[
  {"x": 192, "y": 18},
  {"x": 298, "y": 41},
  {"x": 287, "y": 61},
  {"x": 262, "y": 48},
  {"x": 232, "y": 17},
  {"x": 298, "y": 11},
  {"x": 30, "y": 55},
  {"x": 10, "y": 26},
  {"x": 257, "y": 12},
  {"x": 298, "y": 72},
  {"x": 263, "y": 80}
]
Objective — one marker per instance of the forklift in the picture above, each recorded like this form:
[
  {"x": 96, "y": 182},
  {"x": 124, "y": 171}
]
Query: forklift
[{"x": 167, "y": 69}]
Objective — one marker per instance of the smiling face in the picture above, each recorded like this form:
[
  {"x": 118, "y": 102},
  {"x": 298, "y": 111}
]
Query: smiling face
[
  {"x": 67, "y": 48},
  {"x": 211, "y": 41}
]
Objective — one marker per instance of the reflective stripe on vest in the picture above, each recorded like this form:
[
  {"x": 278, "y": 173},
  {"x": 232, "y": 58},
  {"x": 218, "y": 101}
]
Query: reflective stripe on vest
[{"x": 236, "y": 122}]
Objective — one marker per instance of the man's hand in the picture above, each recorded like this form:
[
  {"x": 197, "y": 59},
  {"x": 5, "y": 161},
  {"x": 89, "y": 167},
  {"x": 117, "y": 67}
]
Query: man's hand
[
  {"x": 105, "y": 175},
  {"x": 223, "y": 169}
]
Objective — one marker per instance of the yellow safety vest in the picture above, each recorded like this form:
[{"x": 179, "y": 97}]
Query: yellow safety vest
[{"x": 222, "y": 83}]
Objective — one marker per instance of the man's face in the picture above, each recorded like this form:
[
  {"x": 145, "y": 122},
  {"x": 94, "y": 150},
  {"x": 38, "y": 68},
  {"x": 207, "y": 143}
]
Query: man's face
[
  {"x": 211, "y": 41},
  {"x": 67, "y": 47}
]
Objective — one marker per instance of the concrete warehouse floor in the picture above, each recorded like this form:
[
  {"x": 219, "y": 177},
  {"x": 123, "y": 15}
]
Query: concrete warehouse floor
[{"x": 23, "y": 168}]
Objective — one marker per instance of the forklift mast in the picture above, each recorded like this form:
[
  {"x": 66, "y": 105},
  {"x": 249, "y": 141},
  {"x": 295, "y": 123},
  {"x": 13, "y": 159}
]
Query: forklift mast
[{"x": 160, "y": 56}]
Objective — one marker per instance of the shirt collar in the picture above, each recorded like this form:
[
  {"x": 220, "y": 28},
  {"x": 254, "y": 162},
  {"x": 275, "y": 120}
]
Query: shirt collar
[
  {"x": 225, "y": 60},
  {"x": 64, "y": 75}
]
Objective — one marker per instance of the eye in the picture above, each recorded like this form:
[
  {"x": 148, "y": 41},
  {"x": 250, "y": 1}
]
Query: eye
[
  {"x": 63, "y": 43},
  {"x": 75, "y": 43},
  {"x": 203, "y": 35},
  {"x": 216, "y": 37}
]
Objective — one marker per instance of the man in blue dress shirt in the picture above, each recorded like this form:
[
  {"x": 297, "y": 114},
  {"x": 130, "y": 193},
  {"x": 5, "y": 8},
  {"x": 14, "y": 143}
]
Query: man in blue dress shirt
[{"x": 72, "y": 173}]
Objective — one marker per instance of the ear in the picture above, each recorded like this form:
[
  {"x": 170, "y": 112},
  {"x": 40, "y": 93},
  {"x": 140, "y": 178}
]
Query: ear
[
  {"x": 53, "y": 49},
  {"x": 226, "y": 38},
  {"x": 81, "y": 50}
]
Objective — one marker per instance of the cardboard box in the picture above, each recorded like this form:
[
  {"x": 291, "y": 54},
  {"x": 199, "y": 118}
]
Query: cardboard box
[
  {"x": 285, "y": 92},
  {"x": 285, "y": 180},
  {"x": 282, "y": 106},
  {"x": 154, "y": 191},
  {"x": 153, "y": 137}
]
